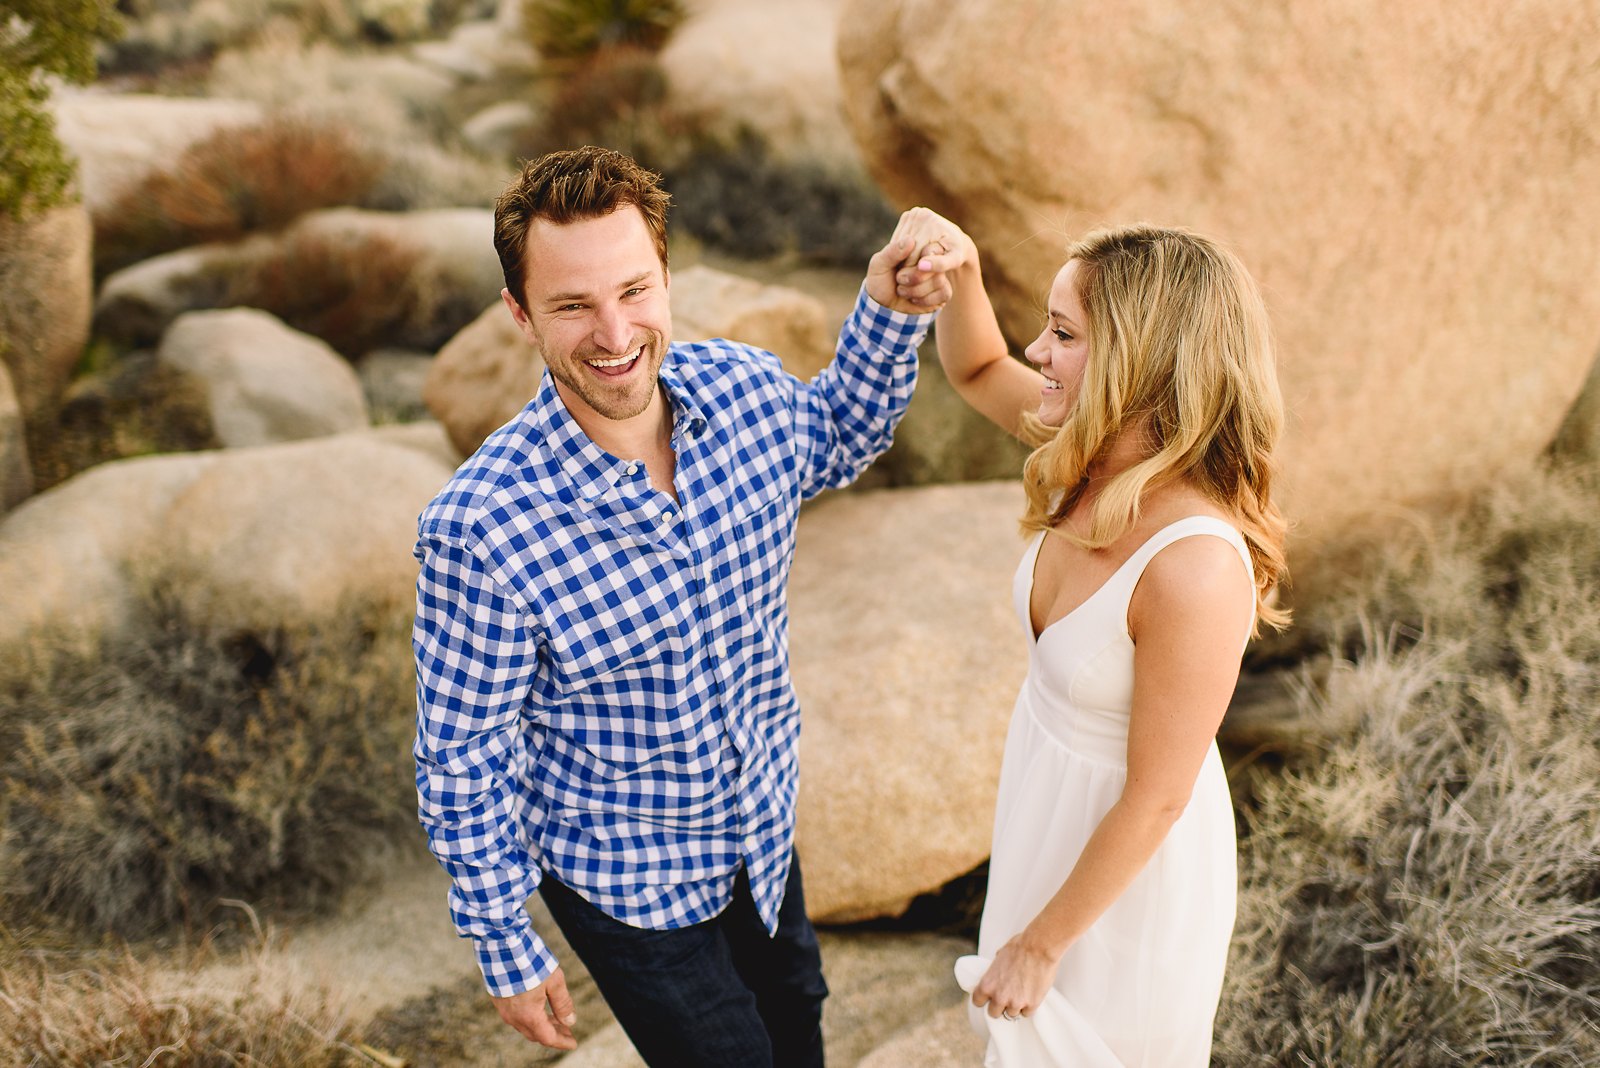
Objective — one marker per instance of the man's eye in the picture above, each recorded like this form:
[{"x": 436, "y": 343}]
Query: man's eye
[{"x": 634, "y": 292}]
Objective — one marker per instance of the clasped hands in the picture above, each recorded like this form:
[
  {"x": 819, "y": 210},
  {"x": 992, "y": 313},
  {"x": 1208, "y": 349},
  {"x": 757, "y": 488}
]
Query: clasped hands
[{"x": 912, "y": 273}]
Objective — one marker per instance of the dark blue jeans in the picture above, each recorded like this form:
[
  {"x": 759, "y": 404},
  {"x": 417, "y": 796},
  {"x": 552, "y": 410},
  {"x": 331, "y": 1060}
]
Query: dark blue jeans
[{"x": 719, "y": 994}]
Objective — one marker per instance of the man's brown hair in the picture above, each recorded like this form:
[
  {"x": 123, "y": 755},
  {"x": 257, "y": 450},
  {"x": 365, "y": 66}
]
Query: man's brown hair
[{"x": 566, "y": 186}]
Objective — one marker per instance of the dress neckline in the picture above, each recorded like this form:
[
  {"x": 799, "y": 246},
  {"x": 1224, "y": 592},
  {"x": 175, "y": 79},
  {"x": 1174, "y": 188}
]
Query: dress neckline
[{"x": 1033, "y": 567}]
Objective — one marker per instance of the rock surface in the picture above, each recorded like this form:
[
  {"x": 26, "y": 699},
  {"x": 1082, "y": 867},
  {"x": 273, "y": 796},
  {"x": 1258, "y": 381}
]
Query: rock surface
[
  {"x": 45, "y": 292},
  {"x": 68, "y": 555},
  {"x": 482, "y": 377},
  {"x": 727, "y": 62},
  {"x": 138, "y": 303},
  {"x": 903, "y": 641},
  {"x": 1416, "y": 204},
  {"x": 16, "y": 475},
  {"x": 260, "y": 536},
  {"x": 1579, "y": 437},
  {"x": 264, "y": 382}
]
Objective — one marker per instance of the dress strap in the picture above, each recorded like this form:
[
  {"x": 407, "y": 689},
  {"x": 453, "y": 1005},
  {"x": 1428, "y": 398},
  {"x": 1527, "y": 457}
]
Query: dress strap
[{"x": 1188, "y": 527}]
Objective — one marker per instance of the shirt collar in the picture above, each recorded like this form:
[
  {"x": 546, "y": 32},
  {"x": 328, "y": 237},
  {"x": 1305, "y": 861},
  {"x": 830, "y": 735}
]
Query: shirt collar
[{"x": 589, "y": 469}]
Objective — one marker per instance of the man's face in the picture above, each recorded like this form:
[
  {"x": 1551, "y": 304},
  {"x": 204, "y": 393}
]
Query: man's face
[{"x": 596, "y": 305}]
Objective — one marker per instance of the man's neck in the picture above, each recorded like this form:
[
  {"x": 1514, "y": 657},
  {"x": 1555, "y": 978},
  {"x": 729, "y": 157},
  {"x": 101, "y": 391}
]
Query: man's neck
[{"x": 644, "y": 437}]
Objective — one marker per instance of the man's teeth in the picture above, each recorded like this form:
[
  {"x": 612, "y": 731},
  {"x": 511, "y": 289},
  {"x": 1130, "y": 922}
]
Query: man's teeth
[{"x": 618, "y": 362}]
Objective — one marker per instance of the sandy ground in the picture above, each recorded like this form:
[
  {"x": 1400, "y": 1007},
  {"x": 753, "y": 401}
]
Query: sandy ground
[{"x": 390, "y": 962}]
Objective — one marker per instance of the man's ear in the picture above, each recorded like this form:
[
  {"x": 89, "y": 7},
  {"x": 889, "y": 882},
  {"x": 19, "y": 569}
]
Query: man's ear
[{"x": 518, "y": 316}]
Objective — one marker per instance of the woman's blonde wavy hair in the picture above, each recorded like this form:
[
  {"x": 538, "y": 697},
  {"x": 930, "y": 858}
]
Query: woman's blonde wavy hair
[{"x": 1180, "y": 352}]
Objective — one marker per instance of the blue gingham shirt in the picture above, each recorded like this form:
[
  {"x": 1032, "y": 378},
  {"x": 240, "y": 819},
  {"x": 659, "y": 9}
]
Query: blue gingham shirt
[{"x": 603, "y": 673}]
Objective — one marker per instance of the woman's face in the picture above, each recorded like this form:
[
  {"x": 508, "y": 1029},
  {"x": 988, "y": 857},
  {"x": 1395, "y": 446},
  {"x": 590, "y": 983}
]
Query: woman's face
[{"x": 1061, "y": 351}]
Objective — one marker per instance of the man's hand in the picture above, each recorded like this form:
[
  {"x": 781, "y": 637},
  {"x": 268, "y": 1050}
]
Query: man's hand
[
  {"x": 526, "y": 1012},
  {"x": 911, "y": 273}
]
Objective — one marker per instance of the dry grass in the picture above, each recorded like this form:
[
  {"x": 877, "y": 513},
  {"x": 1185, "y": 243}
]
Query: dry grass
[
  {"x": 144, "y": 775},
  {"x": 60, "y": 1010},
  {"x": 236, "y": 182},
  {"x": 1428, "y": 892}
]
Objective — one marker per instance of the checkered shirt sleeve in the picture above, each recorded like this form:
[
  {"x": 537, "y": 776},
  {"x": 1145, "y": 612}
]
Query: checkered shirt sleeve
[
  {"x": 847, "y": 415},
  {"x": 475, "y": 660}
]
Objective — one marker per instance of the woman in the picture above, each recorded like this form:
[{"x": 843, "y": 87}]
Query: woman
[{"x": 1152, "y": 403}]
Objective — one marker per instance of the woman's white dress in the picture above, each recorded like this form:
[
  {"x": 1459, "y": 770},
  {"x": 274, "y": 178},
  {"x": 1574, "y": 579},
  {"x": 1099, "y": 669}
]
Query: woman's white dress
[{"x": 1140, "y": 988}]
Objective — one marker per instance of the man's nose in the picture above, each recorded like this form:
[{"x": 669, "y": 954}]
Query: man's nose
[{"x": 612, "y": 332}]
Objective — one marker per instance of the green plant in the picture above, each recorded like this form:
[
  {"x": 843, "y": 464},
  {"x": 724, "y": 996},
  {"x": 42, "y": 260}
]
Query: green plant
[
  {"x": 38, "y": 39},
  {"x": 575, "y": 29},
  {"x": 148, "y": 772},
  {"x": 234, "y": 182},
  {"x": 1428, "y": 892}
]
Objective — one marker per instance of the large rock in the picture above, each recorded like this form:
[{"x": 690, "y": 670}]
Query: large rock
[
  {"x": 16, "y": 475},
  {"x": 1416, "y": 203},
  {"x": 67, "y": 555},
  {"x": 482, "y": 377},
  {"x": 735, "y": 63},
  {"x": 488, "y": 372},
  {"x": 289, "y": 532},
  {"x": 121, "y": 138},
  {"x": 710, "y": 303},
  {"x": 255, "y": 537},
  {"x": 139, "y": 302},
  {"x": 45, "y": 286},
  {"x": 1579, "y": 437},
  {"x": 264, "y": 382},
  {"x": 907, "y": 658}
]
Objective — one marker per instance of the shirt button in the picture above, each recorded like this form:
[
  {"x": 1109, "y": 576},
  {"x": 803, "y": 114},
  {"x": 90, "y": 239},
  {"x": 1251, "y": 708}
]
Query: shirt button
[
  {"x": 633, "y": 467},
  {"x": 720, "y": 647}
]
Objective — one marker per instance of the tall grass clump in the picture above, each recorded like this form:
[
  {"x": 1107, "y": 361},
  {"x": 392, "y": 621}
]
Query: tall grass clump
[
  {"x": 149, "y": 772},
  {"x": 66, "y": 1013},
  {"x": 1428, "y": 891},
  {"x": 237, "y": 181}
]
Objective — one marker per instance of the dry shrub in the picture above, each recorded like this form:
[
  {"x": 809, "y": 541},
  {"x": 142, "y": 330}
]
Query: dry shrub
[
  {"x": 740, "y": 198},
  {"x": 1428, "y": 893},
  {"x": 137, "y": 408},
  {"x": 357, "y": 292},
  {"x": 148, "y": 772},
  {"x": 574, "y": 29},
  {"x": 616, "y": 98},
  {"x": 234, "y": 182},
  {"x": 113, "y": 1012}
]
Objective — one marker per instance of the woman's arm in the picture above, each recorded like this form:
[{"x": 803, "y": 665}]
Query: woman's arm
[{"x": 1189, "y": 617}]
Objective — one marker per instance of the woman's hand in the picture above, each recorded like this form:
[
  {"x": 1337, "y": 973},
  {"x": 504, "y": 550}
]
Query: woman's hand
[
  {"x": 1017, "y": 981},
  {"x": 912, "y": 272}
]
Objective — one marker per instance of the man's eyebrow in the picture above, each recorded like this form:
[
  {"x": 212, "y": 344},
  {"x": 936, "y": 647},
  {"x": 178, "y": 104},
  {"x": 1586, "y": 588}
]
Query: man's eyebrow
[{"x": 566, "y": 298}]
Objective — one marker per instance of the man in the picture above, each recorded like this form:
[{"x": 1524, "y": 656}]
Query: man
[{"x": 605, "y": 711}]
